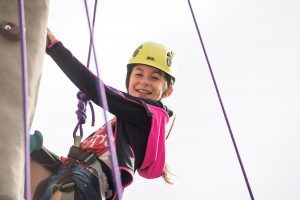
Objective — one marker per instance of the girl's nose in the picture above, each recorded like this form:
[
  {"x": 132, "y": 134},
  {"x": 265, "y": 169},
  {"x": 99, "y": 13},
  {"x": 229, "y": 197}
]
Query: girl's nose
[{"x": 144, "y": 81}]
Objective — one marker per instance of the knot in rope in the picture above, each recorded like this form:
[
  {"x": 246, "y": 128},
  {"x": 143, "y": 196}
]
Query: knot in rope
[{"x": 83, "y": 100}]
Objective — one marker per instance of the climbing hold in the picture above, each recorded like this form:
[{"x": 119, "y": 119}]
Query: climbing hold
[{"x": 10, "y": 31}]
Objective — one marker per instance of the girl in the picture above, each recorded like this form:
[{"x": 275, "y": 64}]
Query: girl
[{"x": 139, "y": 125}]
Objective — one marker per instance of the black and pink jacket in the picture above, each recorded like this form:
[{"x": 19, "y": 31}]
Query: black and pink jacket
[{"x": 140, "y": 129}]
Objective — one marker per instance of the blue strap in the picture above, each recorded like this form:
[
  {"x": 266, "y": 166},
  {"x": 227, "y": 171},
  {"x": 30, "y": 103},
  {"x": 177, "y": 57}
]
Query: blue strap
[{"x": 36, "y": 141}]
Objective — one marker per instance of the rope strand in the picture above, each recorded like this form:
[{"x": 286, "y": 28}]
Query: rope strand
[
  {"x": 83, "y": 101},
  {"x": 221, "y": 103},
  {"x": 90, "y": 45},
  {"x": 103, "y": 99},
  {"x": 81, "y": 116},
  {"x": 23, "y": 47}
]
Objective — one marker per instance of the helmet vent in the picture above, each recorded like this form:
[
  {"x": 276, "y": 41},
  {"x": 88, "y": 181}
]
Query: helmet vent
[
  {"x": 137, "y": 51},
  {"x": 170, "y": 55},
  {"x": 169, "y": 62}
]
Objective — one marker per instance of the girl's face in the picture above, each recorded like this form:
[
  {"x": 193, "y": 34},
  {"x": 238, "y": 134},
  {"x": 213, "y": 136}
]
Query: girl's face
[{"x": 148, "y": 82}]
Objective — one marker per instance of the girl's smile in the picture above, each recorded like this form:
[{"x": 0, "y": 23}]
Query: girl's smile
[{"x": 147, "y": 82}]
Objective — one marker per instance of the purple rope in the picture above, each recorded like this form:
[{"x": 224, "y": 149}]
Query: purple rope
[
  {"x": 27, "y": 194},
  {"x": 81, "y": 116},
  {"x": 83, "y": 100},
  {"x": 103, "y": 99},
  {"x": 221, "y": 103},
  {"x": 90, "y": 46}
]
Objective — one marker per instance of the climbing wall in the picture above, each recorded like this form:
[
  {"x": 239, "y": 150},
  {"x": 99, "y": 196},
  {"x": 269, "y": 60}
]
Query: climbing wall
[{"x": 11, "y": 119}]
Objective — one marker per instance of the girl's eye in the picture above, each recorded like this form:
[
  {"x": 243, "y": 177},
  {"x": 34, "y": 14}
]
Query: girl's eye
[
  {"x": 155, "y": 78},
  {"x": 139, "y": 74}
]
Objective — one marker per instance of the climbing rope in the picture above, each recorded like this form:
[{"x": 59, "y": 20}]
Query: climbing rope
[
  {"x": 94, "y": 20},
  {"x": 83, "y": 100},
  {"x": 103, "y": 99},
  {"x": 221, "y": 103},
  {"x": 27, "y": 194}
]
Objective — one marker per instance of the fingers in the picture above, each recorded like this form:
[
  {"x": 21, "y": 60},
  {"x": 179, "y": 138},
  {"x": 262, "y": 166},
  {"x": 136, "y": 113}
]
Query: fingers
[{"x": 50, "y": 36}]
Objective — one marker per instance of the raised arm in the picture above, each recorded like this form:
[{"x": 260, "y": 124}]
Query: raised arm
[{"x": 119, "y": 104}]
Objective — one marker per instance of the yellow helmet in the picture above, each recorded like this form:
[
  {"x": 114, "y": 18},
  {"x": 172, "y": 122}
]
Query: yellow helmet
[{"x": 155, "y": 55}]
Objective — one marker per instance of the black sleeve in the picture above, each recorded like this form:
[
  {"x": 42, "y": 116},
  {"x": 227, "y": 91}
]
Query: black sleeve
[{"x": 128, "y": 108}]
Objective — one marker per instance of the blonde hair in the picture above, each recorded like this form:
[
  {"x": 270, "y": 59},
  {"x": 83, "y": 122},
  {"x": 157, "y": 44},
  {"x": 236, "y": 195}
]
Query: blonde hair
[{"x": 166, "y": 174}]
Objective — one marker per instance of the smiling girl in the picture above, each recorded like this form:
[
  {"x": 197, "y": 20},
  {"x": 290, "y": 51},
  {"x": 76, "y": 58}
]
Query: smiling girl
[{"x": 139, "y": 126}]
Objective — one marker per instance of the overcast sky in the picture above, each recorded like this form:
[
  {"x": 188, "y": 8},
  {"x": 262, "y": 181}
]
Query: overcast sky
[{"x": 253, "y": 47}]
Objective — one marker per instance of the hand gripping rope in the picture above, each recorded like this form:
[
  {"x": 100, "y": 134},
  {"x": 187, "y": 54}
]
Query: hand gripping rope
[{"x": 221, "y": 103}]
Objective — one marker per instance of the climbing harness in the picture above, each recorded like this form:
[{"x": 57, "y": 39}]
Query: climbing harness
[
  {"x": 66, "y": 183},
  {"x": 221, "y": 103}
]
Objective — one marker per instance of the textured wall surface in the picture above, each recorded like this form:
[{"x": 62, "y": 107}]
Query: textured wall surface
[{"x": 11, "y": 120}]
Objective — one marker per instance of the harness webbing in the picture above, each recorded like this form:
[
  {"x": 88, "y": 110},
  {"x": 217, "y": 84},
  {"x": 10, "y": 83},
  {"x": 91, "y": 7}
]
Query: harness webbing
[
  {"x": 23, "y": 47},
  {"x": 103, "y": 99},
  {"x": 221, "y": 103}
]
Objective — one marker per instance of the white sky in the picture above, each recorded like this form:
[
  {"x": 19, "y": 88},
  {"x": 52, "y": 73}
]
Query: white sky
[{"x": 253, "y": 46}]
